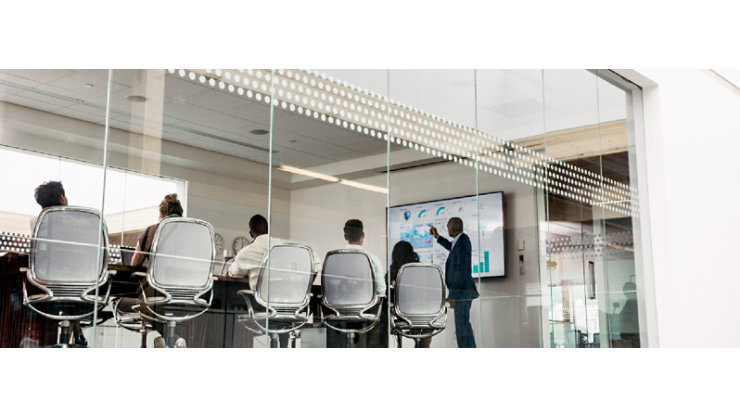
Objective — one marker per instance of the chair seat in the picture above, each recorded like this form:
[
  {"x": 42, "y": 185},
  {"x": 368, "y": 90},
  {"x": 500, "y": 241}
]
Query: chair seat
[{"x": 347, "y": 319}]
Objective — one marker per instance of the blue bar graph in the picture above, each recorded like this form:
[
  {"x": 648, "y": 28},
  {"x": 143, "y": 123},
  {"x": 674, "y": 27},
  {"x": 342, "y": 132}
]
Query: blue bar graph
[
  {"x": 486, "y": 259},
  {"x": 475, "y": 269}
]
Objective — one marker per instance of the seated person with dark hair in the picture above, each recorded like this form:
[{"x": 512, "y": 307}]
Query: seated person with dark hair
[
  {"x": 403, "y": 253},
  {"x": 354, "y": 234},
  {"x": 51, "y": 194},
  {"x": 48, "y": 194},
  {"x": 249, "y": 259},
  {"x": 247, "y": 262}
]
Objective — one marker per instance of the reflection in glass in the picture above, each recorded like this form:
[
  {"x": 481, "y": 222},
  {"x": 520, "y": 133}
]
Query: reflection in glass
[{"x": 539, "y": 165}]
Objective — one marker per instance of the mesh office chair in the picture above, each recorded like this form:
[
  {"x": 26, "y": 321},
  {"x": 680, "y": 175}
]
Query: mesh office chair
[
  {"x": 286, "y": 275},
  {"x": 68, "y": 262},
  {"x": 177, "y": 280},
  {"x": 348, "y": 291},
  {"x": 420, "y": 310}
]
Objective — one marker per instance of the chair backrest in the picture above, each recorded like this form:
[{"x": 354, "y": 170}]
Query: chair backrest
[
  {"x": 69, "y": 247},
  {"x": 182, "y": 254},
  {"x": 420, "y": 290},
  {"x": 290, "y": 274},
  {"x": 347, "y": 278}
]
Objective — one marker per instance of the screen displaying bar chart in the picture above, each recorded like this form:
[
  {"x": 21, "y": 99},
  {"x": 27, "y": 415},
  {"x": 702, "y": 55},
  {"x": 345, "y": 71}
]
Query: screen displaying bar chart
[{"x": 483, "y": 224}]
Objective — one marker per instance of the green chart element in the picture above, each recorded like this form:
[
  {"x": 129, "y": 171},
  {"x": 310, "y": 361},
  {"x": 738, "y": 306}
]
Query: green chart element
[{"x": 485, "y": 266}]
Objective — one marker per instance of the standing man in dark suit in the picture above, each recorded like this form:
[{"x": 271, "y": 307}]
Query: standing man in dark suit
[{"x": 459, "y": 278}]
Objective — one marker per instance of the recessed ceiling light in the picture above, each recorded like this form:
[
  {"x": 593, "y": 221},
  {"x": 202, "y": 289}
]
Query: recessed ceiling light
[
  {"x": 259, "y": 132},
  {"x": 89, "y": 85},
  {"x": 136, "y": 99}
]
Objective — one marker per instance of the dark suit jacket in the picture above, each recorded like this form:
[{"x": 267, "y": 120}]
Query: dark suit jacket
[{"x": 458, "y": 274}]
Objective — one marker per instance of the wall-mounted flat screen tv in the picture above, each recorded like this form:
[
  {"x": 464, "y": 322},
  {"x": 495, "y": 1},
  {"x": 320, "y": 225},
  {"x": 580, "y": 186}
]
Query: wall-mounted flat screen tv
[{"x": 411, "y": 222}]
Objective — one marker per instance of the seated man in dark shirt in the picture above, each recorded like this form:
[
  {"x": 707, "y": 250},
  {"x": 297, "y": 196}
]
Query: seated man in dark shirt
[{"x": 50, "y": 194}]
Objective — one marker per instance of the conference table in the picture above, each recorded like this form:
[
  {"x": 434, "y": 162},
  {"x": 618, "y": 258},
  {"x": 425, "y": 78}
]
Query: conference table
[{"x": 217, "y": 327}]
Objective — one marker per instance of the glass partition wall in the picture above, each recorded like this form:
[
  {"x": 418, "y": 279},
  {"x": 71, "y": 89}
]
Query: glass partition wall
[{"x": 399, "y": 208}]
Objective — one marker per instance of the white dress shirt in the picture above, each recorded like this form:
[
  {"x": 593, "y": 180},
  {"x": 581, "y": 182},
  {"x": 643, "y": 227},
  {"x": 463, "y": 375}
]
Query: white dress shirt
[
  {"x": 249, "y": 259},
  {"x": 377, "y": 267},
  {"x": 455, "y": 241}
]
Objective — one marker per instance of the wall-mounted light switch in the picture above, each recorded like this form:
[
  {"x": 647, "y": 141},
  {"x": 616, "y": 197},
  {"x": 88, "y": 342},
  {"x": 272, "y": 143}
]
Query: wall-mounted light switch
[{"x": 521, "y": 264}]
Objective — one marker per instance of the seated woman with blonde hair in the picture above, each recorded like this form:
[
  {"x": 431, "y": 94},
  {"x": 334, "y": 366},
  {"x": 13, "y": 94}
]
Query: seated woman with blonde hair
[{"x": 169, "y": 207}]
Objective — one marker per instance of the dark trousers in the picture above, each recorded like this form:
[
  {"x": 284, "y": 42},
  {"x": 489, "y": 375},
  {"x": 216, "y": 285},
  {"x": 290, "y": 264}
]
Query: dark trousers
[
  {"x": 463, "y": 329},
  {"x": 283, "y": 340},
  {"x": 335, "y": 339},
  {"x": 378, "y": 336}
]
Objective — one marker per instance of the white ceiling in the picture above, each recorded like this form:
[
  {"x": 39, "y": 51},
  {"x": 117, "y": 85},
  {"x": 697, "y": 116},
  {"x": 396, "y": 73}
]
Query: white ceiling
[
  {"x": 509, "y": 104},
  {"x": 185, "y": 112}
]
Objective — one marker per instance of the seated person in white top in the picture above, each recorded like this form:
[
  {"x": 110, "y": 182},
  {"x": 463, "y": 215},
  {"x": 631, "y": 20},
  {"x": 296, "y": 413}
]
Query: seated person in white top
[
  {"x": 249, "y": 259},
  {"x": 354, "y": 234}
]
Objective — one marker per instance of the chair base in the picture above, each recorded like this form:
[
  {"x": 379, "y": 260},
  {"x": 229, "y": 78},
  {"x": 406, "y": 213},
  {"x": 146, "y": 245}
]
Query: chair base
[
  {"x": 417, "y": 340},
  {"x": 63, "y": 337},
  {"x": 294, "y": 338}
]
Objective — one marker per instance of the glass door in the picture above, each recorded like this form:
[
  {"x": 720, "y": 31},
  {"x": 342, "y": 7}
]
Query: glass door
[{"x": 589, "y": 210}]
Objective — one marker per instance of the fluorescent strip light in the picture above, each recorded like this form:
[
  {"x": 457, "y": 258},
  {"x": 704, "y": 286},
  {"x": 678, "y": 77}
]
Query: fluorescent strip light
[
  {"x": 308, "y": 173},
  {"x": 329, "y": 178},
  {"x": 364, "y": 186}
]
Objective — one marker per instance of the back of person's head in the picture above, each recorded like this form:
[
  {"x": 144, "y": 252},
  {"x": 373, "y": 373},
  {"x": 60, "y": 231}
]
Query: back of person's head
[
  {"x": 456, "y": 224},
  {"x": 49, "y": 194},
  {"x": 258, "y": 225},
  {"x": 170, "y": 205},
  {"x": 403, "y": 253},
  {"x": 353, "y": 230}
]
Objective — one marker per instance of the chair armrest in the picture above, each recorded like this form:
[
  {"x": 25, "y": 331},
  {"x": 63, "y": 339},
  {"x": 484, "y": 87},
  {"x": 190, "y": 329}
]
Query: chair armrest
[
  {"x": 250, "y": 292},
  {"x": 139, "y": 274},
  {"x": 23, "y": 269},
  {"x": 112, "y": 272}
]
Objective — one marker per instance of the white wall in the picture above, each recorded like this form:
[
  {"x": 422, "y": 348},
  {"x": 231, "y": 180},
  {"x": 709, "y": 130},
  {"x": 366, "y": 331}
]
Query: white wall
[{"x": 692, "y": 140}]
